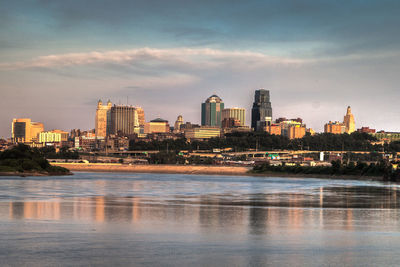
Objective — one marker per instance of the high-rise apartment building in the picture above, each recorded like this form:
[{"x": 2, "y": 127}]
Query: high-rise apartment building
[
  {"x": 211, "y": 111},
  {"x": 292, "y": 129},
  {"x": 25, "y": 131},
  {"x": 103, "y": 119},
  {"x": 234, "y": 113},
  {"x": 141, "y": 119},
  {"x": 124, "y": 120},
  {"x": 349, "y": 122},
  {"x": 262, "y": 110},
  {"x": 334, "y": 127}
]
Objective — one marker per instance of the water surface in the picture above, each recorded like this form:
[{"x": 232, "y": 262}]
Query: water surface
[{"x": 185, "y": 220}]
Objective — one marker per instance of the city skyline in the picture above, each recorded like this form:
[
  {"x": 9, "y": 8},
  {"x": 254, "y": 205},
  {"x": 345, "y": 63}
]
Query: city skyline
[
  {"x": 57, "y": 59},
  {"x": 110, "y": 105}
]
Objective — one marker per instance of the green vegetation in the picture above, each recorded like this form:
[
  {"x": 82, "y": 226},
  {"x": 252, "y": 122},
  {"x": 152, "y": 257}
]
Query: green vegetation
[
  {"x": 263, "y": 141},
  {"x": 22, "y": 159},
  {"x": 172, "y": 157},
  {"x": 50, "y": 153},
  {"x": 337, "y": 168}
]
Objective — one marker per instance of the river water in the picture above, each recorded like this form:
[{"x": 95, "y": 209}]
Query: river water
[{"x": 120, "y": 219}]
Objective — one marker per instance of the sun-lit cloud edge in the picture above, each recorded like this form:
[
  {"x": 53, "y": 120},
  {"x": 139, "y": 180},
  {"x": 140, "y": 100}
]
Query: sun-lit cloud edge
[{"x": 179, "y": 55}]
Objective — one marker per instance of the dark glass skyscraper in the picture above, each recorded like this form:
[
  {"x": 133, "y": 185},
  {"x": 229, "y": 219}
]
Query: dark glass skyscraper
[
  {"x": 261, "y": 107},
  {"x": 211, "y": 111}
]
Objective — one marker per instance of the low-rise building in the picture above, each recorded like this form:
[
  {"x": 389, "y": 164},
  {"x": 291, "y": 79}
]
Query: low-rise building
[
  {"x": 54, "y": 136},
  {"x": 366, "y": 130},
  {"x": 202, "y": 133},
  {"x": 156, "y": 126},
  {"x": 387, "y": 136}
]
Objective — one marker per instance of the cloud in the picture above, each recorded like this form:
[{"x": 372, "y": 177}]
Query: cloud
[{"x": 203, "y": 57}]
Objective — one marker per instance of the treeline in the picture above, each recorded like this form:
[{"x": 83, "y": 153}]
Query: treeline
[
  {"x": 172, "y": 157},
  {"x": 50, "y": 153},
  {"x": 22, "y": 158},
  {"x": 264, "y": 141},
  {"x": 337, "y": 168}
]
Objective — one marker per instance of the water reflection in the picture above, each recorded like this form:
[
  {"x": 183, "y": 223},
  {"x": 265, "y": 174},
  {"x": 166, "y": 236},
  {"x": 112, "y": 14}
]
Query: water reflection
[
  {"x": 209, "y": 221},
  {"x": 257, "y": 211}
]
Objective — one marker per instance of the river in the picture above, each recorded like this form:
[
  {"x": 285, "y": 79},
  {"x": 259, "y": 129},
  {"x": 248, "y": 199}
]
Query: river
[{"x": 123, "y": 219}]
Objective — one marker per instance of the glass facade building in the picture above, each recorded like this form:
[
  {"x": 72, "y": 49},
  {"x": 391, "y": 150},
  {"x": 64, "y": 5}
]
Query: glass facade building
[
  {"x": 262, "y": 110},
  {"x": 211, "y": 111}
]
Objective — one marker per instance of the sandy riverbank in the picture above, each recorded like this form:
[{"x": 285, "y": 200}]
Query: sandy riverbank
[
  {"x": 181, "y": 169},
  {"x": 198, "y": 169}
]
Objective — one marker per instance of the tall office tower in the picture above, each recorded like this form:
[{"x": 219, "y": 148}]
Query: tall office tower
[
  {"x": 103, "y": 119},
  {"x": 140, "y": 112},
  {"x": 349, "y": 122},
  {"x": 211, "y": 111},
  {"x": 124, "y": 120},
  {"x": 178, "y": 123},
  {"x": 25, "y": 131},
  {"x": 262, "y": 110},
  {"x": 235, "y": 113}
]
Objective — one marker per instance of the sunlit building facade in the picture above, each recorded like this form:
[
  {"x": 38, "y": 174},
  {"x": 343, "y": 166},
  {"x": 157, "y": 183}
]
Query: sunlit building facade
[
  {"x": 25, "y": 131},
  {"x": 335, "y": 127},
  {"x": 202, "y": 133},
  {"x": 211, "y": 111},
  {"x": 156, "y": 126},
  {"x": 54, "y": 136},
  {"x": 103, "y": 119},
  {"x": 349, "y": 122},
  {"x": 235, "y": 113},
  {"x": 178, "y": 123},
  {"x": 124, "y": 120}
]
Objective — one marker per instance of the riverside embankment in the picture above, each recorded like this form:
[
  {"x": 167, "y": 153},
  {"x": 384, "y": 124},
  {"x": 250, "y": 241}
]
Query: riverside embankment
[
  {"x": 198, "y": 169},
  {"x": 181, "y": 169}
]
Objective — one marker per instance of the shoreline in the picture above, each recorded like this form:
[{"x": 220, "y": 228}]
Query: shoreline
[
  {"x": 36, "y": 174},
  {"x": 164, "y": 168},
  {"x": 200, "y": 169}
]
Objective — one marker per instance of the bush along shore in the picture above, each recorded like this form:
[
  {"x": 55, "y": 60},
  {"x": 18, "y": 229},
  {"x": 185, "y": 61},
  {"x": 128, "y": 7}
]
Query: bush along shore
[
  {"x": 388, "y": 171},
  {"x": 23, "y": 161}
]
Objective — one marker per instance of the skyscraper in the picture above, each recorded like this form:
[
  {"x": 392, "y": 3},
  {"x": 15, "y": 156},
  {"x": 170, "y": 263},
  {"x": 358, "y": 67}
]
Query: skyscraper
[
  {"x": 211, "y": 111},
  {"x": 262, "y": 110},
  {"x": 103, "y": 119},
  {"x": 140, "y": 112},
  {"x": 25, "y": 131},
  {"x": 349, "y": 122},
  {"x": 236, "y": 113},
  {"x": 178, "y": 123},
  {"x": 124, "y": 120}
]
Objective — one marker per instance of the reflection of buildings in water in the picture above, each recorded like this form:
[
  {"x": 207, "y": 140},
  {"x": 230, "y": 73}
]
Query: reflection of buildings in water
[
  {"x": 49, "y": 210},
  {"x": 258, "y": 219},
  {"x": 321, "y": 205},
  {"x": 99, "y": 209},
  {"x": 221, "y": 214},
  {"x": 321, "y": 196},
  {"x": 82, "y": 208},
  {"x": 135, "y": 209},
  {"x": 349, "y": 219}
]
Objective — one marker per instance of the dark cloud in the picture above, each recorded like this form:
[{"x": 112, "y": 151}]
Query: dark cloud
[{"x": 336, "y": 27}]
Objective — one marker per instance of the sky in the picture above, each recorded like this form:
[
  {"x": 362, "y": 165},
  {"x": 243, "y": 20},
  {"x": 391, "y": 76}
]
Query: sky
[{"x": 58, "y": 58}]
